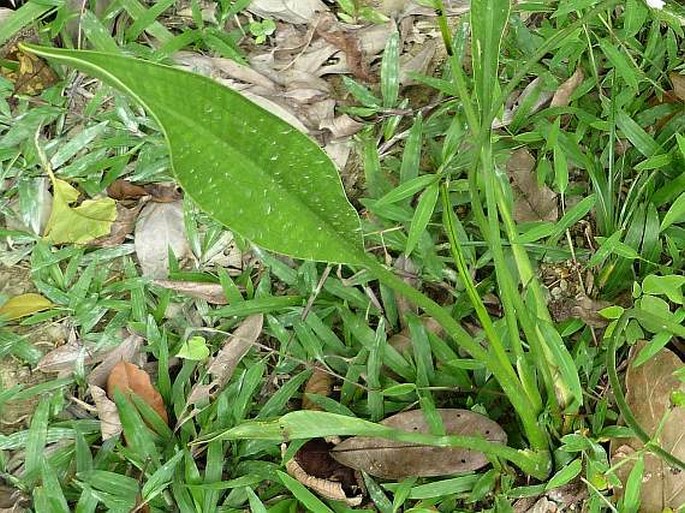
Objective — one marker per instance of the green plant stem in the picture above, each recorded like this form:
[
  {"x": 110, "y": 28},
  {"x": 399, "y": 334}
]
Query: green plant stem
[
  {"x": 499, "y": 365},
  {"x": 620, "y": 398}
]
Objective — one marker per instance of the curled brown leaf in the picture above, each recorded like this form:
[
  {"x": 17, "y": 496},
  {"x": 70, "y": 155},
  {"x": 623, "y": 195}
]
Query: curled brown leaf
[{"x": 319, "y": 383}]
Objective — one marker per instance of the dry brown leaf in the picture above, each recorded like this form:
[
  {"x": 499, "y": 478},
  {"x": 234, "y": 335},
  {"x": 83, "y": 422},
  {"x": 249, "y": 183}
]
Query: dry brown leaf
[
  {"x": 347, "y": 41},
  {"x": 236, "y": 346},
  {"x": 128, "y": 350},
  {"x": 563, "y": 94},
  {"x": 121, "y": 227},
  {"x": 64, "y": 357},
  {"x": 314, "y": 467},
  {"x": 110, "y": 423},
  {"x": 160, "y": 227},
  {"x": 123, "y": 189},
  {"x": 296, "y": 12},
  {"x": 678, "y": 82},
  {"x": 223, "y": 365},
  {"x": 319, "y": 383},
  {"x": 390, "y": 459},
  {"x": 531, "y": 201},
  {"x": 648, "y": 393},
  {"x": 129, "y": 378},
  {"x": 211, "y": 292}
]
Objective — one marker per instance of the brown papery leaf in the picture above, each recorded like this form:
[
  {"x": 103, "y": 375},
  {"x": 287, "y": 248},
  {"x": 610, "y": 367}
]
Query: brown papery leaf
[
  {"x": 121, "y": 227},
  {"x": 123, "y": 189},
  {"x": 348, "y": 43},
  {"x": 211, "y": 292},
  {"x": 562, "y": 95},
  {"x": 129, "y": 378},
  {"x": 110, "y": 423},
  {"x": 160, "y": 228},
  {"x": 532, "y": 202},
  {"x": 223, "y": 365},
  {"x": 390, "y": 459},
  {"x": 678, "y": 82},
  {"x": 648, "y": 393},
  {"x": 128, "y": 350},
  {"x": 319, "y": 383}
]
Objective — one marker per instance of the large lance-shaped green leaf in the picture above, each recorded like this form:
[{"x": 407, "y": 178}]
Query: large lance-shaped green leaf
[{"x": 241, "y": 164}]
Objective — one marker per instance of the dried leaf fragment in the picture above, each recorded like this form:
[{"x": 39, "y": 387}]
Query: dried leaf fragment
[
  {"x": 562, "y": 95},
  {"x": 129, "y": 378},
  {"x": 390, "y": 459},
  {"x": 110, "y": 423},
  {"x": 319, "y": 383},
  {"x": 678, "y": 82},
  {"x": 532, "y": 202},
  {"x": 211, "y": 292}
]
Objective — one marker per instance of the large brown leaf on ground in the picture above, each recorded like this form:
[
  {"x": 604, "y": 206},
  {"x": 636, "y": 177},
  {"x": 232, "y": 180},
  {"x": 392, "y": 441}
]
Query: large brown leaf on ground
[
  {"x": 532, "y": 202},
  {"x": 648, "y": 393},
  {"x": 390, "y": 459},
  {"x": 129, "y": 378}
]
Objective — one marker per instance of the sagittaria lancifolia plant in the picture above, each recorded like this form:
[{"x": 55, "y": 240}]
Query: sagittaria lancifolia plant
[{"x": 274, "y": 186}]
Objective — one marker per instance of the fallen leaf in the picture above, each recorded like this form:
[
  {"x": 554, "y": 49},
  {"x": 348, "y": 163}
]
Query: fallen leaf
[
  {"x": 290, "y": 11},
  {"x": 129, "y": 378},
  {"x": 678, "y": 82},
  {"x": 122, "y": 189},
  {"x": 32, "y": 76},
  {"x": 236, "y": 346},
  {"x": 159, "y": 228},
  {"x": 23, "y": 306},
  {"x": 110, "y": 423},
  {"x": 121, "y": 228},
  {"x": 348, "y": 42},
  {"x": 223, "y": 365},
  {"x": 127, "y": 351},
  {"x": 314, "y": 467},
  {"x": 319, "y": 383},
  {"x": 390, "y": 459},
  {"x": 81, "y": 224},
  {"x": 64, "y": 357},
  {"x": 532, "y": 202},
  {"x": 563, "y": 93},
  {"x": 211, "y": 292},
  {"x": 648, "y": 394}
]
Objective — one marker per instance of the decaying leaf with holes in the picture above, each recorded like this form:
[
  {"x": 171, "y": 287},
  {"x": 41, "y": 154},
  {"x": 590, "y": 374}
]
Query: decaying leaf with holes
[
  {"x": 314, "y": 467},
  {"x": 390, "y": 459},
  {"x": 649, "y": 388}
]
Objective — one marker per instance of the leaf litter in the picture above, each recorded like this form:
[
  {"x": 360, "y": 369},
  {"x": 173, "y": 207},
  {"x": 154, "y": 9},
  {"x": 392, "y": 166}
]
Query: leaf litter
[{"x": 649, "y": 388}]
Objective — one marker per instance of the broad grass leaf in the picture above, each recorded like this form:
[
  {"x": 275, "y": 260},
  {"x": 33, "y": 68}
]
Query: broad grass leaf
[
  {"x": 129, "y": 378},
  {"x": 397, "y": 460},
  {"x": 81, "y": 224},
  {"x": 244, "y": 166},
  {"x": 648, "y": 392},
  {"x": 23, "y": 305},
  {"x": 488, "y": 21}
]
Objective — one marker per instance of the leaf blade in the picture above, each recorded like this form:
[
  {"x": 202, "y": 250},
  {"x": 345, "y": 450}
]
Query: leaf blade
[{"x": 285, "y": 196}]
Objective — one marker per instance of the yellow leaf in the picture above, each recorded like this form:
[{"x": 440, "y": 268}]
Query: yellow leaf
[
  {"x": 78, "y": 225},
  {"x": 23, "y": 305}
]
